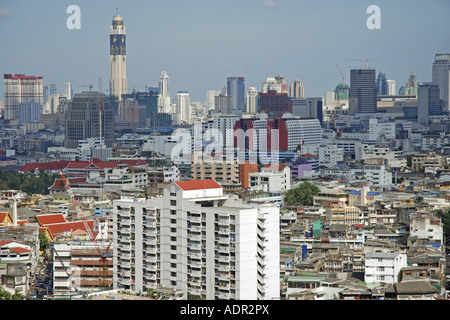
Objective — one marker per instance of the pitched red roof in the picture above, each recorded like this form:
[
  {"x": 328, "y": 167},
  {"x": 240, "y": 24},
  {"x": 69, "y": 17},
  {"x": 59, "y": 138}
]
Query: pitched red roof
[
  {"x": 4, "y": 242},
  {"x": 47, "y": 166},
  {"x": 20, "y": 250},
  {"x": 3, "y": 216},
  {"x": 46, "y": 219},
  {"x": 57, "y": 228},
  {"x": 96, "y": 164},
  {"x": 58, "y": 184},
  {"x": 198, "y": 184}
]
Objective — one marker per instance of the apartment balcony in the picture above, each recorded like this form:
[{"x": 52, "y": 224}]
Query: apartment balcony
[
  {"x": 194, "y": 218},
  {"x": 195, "y": 254},
  {"x": 223, "y": 258},
  {"x": 151, "y": 258},
  {"x": 223, "y": 221},
  {"x": 222, "y": 249},
  {"x": 194, "y": 236}
]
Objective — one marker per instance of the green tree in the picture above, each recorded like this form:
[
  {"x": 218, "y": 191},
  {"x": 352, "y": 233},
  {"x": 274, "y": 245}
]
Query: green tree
[
  {"x": 43, "y": 241},
  {"x": 302, "y": 195},
  {"x": 6, "y": 295}
]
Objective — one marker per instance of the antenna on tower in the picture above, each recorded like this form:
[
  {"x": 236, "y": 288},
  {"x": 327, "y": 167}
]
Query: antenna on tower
[{"x": 117, "y": 9}]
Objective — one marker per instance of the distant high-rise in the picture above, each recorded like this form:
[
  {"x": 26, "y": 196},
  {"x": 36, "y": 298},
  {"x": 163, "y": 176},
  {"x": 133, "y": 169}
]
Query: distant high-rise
[
  {"x": 53, "y": 89},
  {"x": 251, "y": 100},
  {"x": 428, "y": 102},
  {"x": 118, "y": 58},
  {"x": 236, "y": 89},
  {"x": 412, "y": 86},
  {"x": 275, "y": 104},
  {"x": 164, "y": 105},
  {"x": 222, "y": 104},
  {"x": 441, "y": 77},
  {"x": 277, "y": 84},
  {"x": 296, "y": 89},
  {"x": 29, "y": 112},
  {"x": 68, "y": 90},
  {"x": 362, "y": 93},
  {"x": 381, "y": 84},
  {"x": 19, "y": 88},
  {"x": 183, "y": 108},
  {"x": 391, "y": 87},
  {"x": 83, "y": 119}
]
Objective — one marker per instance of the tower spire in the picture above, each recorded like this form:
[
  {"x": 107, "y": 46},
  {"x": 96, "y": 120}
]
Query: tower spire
[{"x": 117, "y": 9}]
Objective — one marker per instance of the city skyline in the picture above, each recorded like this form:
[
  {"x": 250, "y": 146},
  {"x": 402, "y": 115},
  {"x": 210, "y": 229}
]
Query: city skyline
[{"x": 202, "y": 43}]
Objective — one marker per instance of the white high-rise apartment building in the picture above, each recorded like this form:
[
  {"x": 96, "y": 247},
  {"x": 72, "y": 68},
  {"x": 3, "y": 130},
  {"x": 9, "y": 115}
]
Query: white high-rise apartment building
[
  {"x": 251, "y": 100},
  {"x": 68, "y": 90},
  {"x": 19, "y": 88},
  {"x": 303, "y": 132},
  {"x": 210, "y": 98},
  {"x": 183, "y": 107},
  {"x": 391, "y": 87},
  {"x": 164, "y": 105},
  {"x": 198, "y": 241},
  {"x": 118, "y": 58}
]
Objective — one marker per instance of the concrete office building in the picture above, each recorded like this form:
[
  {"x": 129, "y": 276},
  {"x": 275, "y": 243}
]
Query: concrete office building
[
  {"x": 441, "y": 77},
  {"x": 429, "y": 102},
  {"x": 199, "y": 242},
  {"x": 236, "y": 90},
  {"x": 362, "y": 93},
  {"x": 29, "y": 112},
  {"x": 83, "y": 119}
]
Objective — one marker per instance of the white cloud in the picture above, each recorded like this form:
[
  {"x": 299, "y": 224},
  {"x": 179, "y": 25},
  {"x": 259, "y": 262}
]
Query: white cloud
[
  {"x": 269, "y": 3},
  {"x": 5, "y": 11}
]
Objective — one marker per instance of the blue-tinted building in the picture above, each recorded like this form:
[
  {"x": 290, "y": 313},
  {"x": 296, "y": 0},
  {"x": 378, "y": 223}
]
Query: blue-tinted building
[{"x": 236, "y": 89}]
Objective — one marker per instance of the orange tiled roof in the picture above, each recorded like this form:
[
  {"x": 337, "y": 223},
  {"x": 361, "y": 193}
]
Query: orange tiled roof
[
  {"x": 198, "y": 184},
  {"x": 20, "y": 250},
  {"x": 57, "y": 228},
  {"x": 46, "y": 219}
]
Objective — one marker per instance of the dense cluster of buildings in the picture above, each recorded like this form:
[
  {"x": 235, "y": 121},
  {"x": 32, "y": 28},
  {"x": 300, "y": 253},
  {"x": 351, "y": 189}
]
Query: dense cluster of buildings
[{"x": 186, "y": 198}]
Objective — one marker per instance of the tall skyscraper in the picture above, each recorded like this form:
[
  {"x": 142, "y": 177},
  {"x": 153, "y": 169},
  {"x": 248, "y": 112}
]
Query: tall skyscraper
[
  {"x": 118, "y": 58},
  {"x": 441, "y": 77},
  {"x": 19, "y": 88},
  {"x": 236, "y": 89},
  {"x": 362, "y": 93},
  {"x": 274, "y": 103},
  {"x": 381, "y": 84},
  {"x": 412, "y": 86},
  {"x": 53, "y": 89},
  {"x": 68, "y": 90},
  {"x": 164, "y": 94},
  {"x": 428, "y": 102},
  {"x": 183, "y": 108},
  {"x": 251, "y": 100},
  {"x": 296, "y": 89},
  {"x": 391, "y": 87},
  {"x": 83, "y": 119}
]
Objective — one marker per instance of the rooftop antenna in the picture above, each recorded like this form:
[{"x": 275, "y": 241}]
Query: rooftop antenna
[{"x": 117, "y": 9}]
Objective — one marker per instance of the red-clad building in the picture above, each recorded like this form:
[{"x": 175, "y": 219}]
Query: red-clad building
[{"x": 274, "y": 103}]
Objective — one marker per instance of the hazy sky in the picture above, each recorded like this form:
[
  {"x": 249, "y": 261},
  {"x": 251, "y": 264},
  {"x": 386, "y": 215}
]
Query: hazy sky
[{"x": 202, "y": 42}]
